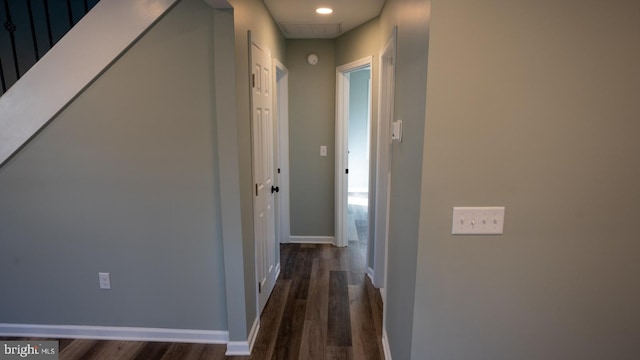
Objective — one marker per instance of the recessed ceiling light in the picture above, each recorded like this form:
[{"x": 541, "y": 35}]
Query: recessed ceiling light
[{"x": 324, "y": 11}]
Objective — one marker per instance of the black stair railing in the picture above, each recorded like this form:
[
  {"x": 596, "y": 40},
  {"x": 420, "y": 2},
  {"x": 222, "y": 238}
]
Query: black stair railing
[{"x": 30, "y": 28}]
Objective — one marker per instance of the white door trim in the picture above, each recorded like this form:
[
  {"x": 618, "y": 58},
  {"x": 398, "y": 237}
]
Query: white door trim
[
  {"x": 387, "y": 61},
  {"x": 281, "y": 114},
  {"x": 342, "y": 122},
  {"x": 386, "y": 86}
]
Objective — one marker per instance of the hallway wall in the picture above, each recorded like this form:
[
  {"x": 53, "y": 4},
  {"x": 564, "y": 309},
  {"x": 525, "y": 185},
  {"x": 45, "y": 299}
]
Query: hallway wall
[
  {"x": 312, "y": 90},
  {"x": 249, "y": 15},
  {"x": 124, "y": 180},
  {"x": 413, "y": 18},
  {"x": 532, "y": 105}
]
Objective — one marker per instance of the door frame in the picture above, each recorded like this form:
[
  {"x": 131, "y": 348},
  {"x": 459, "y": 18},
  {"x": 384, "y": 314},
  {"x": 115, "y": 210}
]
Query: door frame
[
  {"x": 386, "y": 91},
  {"x": 342, "y": 126},
  {"x": 269, "y": 288},
  {"x": 281, "y": 115}
]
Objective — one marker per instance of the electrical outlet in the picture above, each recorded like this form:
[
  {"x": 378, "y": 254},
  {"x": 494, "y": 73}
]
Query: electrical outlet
[
  {"x": 105, "y": 280},
  {"x": 478, "y": 220}
]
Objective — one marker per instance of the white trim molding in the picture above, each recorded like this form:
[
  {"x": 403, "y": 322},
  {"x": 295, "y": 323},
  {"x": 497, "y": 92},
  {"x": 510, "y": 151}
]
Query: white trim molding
[
  {"x": 385, "y": 345},
  {"x": 244, "y": 348},
  {"x": 386, "y": 86},
  {"x": 115, "y": 333},
  {"x": 277, "y": 270},
  {"x": 370, "y": 274},
  {"x": 312, "y": 240}
]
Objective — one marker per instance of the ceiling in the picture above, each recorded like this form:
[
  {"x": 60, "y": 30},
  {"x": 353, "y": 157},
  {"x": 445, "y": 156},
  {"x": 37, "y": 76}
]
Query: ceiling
[{"x": 298, "y": 20}]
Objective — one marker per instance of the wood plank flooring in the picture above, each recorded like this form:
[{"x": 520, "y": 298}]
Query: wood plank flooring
[{"x": 323, "y": 306}]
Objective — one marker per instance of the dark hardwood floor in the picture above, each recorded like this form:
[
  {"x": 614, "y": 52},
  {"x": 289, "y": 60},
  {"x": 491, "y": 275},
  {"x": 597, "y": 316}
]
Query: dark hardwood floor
[{"x": 323, "y": 306}]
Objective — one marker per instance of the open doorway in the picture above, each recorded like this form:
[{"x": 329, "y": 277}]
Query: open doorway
[
  {"x": 386, "y": 86},
  {"x": 281, "y": 115},
  {"x": 353, "y": 134},
  {"x": 358, "y": 144}
]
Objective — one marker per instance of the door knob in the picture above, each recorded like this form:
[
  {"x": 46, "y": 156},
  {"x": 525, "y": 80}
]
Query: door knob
[{"x": 275, "y": 189}]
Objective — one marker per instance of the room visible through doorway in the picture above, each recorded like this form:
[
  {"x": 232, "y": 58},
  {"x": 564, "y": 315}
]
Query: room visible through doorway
[{"x": 358, "y": 143}]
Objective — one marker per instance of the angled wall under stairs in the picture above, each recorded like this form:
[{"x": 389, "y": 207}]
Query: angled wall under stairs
[
  {"x": 30, "y": 29},
  {"x": 78, "y": 58}
]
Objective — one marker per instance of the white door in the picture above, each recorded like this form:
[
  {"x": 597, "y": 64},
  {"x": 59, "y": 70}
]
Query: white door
[{"x": 263, "y": 171}]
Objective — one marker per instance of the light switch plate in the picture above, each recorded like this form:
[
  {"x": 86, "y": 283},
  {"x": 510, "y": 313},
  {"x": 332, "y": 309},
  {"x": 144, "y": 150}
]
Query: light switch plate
[
  {"x": 105, "y": 280},
  {"x": 323, "y": 150},
  {"x": 478, "y": 220},
  {"x": 396, "y": 131}
]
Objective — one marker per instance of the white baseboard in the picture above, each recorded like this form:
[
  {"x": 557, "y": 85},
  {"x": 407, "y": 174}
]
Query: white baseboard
[
  {"x": 385, "y": 345},
  {"x": 312, "y": 240},
  {"x": 383, "y": 294},
  {"x": 277, "y": 270},
  {"x": 243, "y": 348},
  {"x": 115, "y": 333},
  {"x": 370, "y": 274}
]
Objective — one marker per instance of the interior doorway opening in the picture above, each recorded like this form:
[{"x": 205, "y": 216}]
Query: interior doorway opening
[
  {"x": 353, "y": 141},
  {"x": 281, "y": 115},
  {"x": 358, "y": 157}
]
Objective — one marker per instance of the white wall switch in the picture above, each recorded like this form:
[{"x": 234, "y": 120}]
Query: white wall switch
[
  {"x": 478, "y": 220},
  {"x": 323, "y": 150},
  {"x": 396, "y": 131},
  {"x": 105, "y": 280}
]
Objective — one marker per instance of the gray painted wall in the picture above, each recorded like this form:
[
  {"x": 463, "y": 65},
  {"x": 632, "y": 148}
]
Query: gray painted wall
[
  {"x": 547, "y": 93},
  {"x": 312, "y": 91},
  {"x": 357, "y": 44},
  {"x": 229, "y": 172},
  {"x": 359, "y": 130},
  {"x": 250, "y": 15},
  {"x": 413, "y": 20},
  {"x": 124, "y": 180}
]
